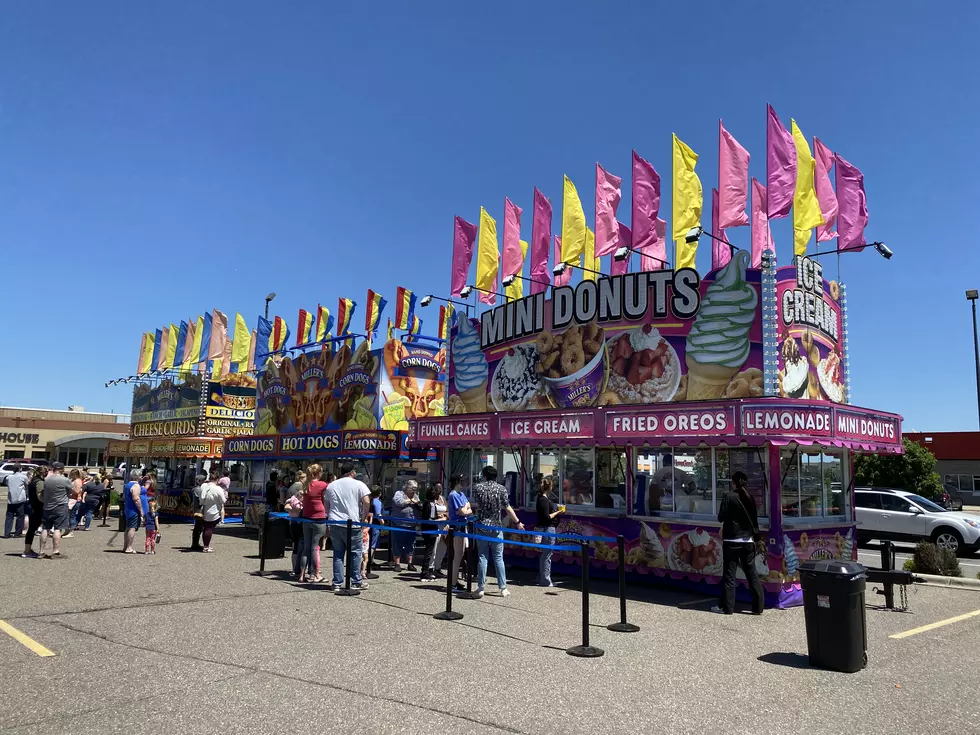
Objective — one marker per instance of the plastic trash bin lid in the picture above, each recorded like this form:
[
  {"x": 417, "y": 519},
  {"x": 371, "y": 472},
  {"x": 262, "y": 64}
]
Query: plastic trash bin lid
[{"x": 835, "y": 567}]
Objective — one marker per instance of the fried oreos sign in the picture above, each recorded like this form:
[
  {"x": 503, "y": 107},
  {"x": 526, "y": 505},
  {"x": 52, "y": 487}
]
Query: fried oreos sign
[{"x": 628, "y": 297}]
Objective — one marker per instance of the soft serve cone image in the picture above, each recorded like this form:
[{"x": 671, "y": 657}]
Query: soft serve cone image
[
  {"x": 718, "y": 343},
  {"x": 471, "y": 368}
]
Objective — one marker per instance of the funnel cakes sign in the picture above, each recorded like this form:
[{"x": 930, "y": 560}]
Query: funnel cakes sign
[{"x": 637, "y": 338}]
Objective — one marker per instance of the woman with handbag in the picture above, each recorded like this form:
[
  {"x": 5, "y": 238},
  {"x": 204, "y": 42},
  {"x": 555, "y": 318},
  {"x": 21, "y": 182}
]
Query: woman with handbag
[{"x": 740, "y": 538}]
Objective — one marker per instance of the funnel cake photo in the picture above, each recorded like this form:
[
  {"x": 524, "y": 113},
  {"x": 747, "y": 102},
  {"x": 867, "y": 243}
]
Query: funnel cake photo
[{"x": 644, "y": 368}]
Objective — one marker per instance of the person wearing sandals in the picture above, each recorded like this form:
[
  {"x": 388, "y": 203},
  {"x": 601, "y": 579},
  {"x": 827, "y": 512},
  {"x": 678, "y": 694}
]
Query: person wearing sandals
[
  {"x": 212, "y": 508},
  {"x": 404, "y": 506},
  {"x": 315, "y": 525},
  {"x": 548, "y": 512},
  {"x": 740, "y": 535},
  {"x": 133, "y": 511},
  {"x": 294, "y": 507}
]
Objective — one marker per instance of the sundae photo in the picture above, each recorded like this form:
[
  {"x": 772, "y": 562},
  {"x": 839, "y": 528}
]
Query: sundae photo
[
  {"x": 718, "y": 343},
  {"x": 516, "y": 382}
]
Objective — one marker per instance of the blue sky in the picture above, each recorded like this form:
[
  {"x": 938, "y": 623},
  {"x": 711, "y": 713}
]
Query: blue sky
[{"x": 158, "y": 160}]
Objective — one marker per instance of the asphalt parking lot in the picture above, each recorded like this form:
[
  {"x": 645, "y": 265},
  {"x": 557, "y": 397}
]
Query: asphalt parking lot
[{"x": 186, "y": 642}]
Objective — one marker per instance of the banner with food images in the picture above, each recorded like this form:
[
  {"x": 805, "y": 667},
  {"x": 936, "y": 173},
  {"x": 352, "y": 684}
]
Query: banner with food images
[
  {"x": 413, "y": 383},
  {"x": 318, "y": 390},
  {"x": 172, "y": 398},
  {"x": 635, "y": 338},
  {"x": 810, "y": 332}
]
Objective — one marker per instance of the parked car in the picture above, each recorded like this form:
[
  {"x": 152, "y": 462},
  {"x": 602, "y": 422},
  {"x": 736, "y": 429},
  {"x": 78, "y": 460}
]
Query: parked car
[
  {"x": 887, "y": 513},
  {"x": 951, "y": 498},
  {"x": 7, "y": 468}
]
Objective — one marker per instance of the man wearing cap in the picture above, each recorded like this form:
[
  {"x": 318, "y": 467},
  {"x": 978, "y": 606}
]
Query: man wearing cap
[{"x": 54, "y": 517}]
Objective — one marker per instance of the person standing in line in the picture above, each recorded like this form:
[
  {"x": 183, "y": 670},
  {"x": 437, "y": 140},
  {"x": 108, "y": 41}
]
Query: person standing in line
[
  {"x": 133, "y": 511},
  {"x": 54, "y": 519},
  {"x": 366, "y": 535},
  {"x": 548, "y": 512},
  {"x": 404, "y": 505},
  {"x": 490, "y": 499},
  {"x": 224, "y": 482},
  {"x": 459, "y": 510},
  {"x": 74, "y": 501},
  {"x": 315, "y": 526},
  {"x": 328, "y": 478},
  {"x": 92, "y": 493},
  {"x": 294, "y": 507},
  {"x": 739, "y": 535},
  {"x": 148, "y": 506},
  {"x": 212, "y": 508},
  {"x": 349, "y": 500},
  {"x": 198, "y": 512},
  {"x": 272, "y": 492},
  {"x": 16, "y": 502},
  {"x": 441, "y": 514},
  {"x": 106, "y": 496},
  {"x": 428, "y": 513},
  {"x": 35, "y": 500},
  {"x": 377, "y": 519}
]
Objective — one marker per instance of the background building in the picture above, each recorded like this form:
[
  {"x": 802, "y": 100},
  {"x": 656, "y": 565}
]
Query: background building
[
  {"x": 76, "y": 437},
  {"x": 957, "y": 460}
]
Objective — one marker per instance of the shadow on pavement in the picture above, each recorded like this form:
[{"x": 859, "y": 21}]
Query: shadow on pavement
[{"x": 791, "y": 660}]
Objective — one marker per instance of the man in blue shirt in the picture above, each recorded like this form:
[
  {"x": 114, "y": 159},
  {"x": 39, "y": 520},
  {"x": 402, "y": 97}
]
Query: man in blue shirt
[
  {"x": 377, "y": 511},
  {"x": 459, "y": 510}
]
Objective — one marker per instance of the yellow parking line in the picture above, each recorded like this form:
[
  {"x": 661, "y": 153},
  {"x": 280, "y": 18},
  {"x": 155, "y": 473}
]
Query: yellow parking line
[
  {"x": 25, "y": 640},
  {"x": 933, "y": 626}
]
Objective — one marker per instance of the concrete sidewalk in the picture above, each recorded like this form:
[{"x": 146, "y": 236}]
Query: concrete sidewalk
[{"x": 187, "y": 642}]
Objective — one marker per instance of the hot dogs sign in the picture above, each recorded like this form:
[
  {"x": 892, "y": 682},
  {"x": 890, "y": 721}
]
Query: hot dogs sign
[{"x": 637, "y": 338}]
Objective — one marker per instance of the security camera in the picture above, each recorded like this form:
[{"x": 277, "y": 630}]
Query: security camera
[
  {"x": 693, "y": 235},
  {"x": 508, "y": 281},
  {"x": 884, "y": 250},
  {"x": 425, "y": 300},
  {"x": 621, "y": 254},
  {"x": 465, "y": 291},
  {"x": 560, "y": 269}
]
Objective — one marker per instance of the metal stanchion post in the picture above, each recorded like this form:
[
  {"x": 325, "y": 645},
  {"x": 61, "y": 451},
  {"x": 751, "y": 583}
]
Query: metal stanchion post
[
  {"x": 470, "y": 561},
  {"x": 622, "y": 626},
  {"x": 888, "y": 564},
  {"x": 262, "y": 532},
  {"x": 585, "y": 650},
  {"x": 348, "y": 557},
  {"x": 449, "y": 613}
]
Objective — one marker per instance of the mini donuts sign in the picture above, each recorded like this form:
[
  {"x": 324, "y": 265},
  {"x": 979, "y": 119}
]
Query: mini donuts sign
[
  {"x": 810, "y": 329},
  {"x": 636, "y": 338}
]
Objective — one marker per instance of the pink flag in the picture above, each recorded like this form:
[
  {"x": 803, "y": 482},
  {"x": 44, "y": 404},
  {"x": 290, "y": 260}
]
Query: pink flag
[
  {"x": 654, "y": 255},
  {"x": 491, "y": 298},
  {"x": 780, "y": 167},
  {"x": 540, "y": 240},
  {"x": 464, "y": 237},
  {"x": 619, "y": 267},
  {"x": 853, "y": 215},
  {"x": 720, "y": 252},
  {"x": 825, "y": 192},
  {"x": 219, "y": 336},
  {"x": 761, "y": 233},
  {"x": 513, "y": 258},
  {"x": 733, "y": 180},
  {"x": 607, "y": 196},
  {"x": 646, "y": 204},
  {"x": 565, "y": 278}
]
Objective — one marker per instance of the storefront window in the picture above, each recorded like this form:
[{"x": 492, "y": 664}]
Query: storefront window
[
  {"x": 610, "y": 479},
  {"x": 692, "y": 481},
  {"x": 72, "y": 458},
  {"x": 813, "y": 484},
  {"x": 543, "y": 463},
  {"x": 482, "y": 458},
  {"x": 577, "y": 480},
  {"x": 750, "y": 461},
  {"x": 459, "y": 464},
  {"x": 511, "y": 475}
]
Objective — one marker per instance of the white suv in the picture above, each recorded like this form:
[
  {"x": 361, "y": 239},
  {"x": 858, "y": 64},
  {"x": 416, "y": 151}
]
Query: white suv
[{"x": 898, "y": 515}]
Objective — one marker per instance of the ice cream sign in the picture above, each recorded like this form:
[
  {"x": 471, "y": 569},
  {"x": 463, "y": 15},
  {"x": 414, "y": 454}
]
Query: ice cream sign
[
  {"x": 552, "y": 427},
  {"x": 636, "y": 338}
]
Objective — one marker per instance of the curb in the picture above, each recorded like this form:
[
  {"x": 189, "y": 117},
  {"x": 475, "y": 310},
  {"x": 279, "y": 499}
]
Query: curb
[{"x": 935, "y": 580}]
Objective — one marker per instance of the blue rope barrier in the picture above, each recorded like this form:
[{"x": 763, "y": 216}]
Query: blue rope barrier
[
  {"x": 576, "y": 536},
  {"x": 399, "y": 519},
  {"x": 546, "y": 547}
]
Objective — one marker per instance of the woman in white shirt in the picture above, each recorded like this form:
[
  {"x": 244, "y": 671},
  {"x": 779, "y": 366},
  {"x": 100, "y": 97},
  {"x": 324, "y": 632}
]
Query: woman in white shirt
[{"x": 213, "y": 499}]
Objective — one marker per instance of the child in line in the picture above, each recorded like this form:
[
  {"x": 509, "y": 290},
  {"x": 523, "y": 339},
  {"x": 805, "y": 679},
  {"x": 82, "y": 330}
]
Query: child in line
[{"x": 151, "y": 528}]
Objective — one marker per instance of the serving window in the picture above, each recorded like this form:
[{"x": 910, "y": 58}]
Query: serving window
[
  {"x": 813, "y": 484},
  {"x": 691, "y": 482}
]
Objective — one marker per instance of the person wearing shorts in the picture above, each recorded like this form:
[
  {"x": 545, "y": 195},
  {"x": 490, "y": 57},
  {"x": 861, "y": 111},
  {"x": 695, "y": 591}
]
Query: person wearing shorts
[
  {"x": 133, "y": 510},
  {"x": 54, "y": 517}
]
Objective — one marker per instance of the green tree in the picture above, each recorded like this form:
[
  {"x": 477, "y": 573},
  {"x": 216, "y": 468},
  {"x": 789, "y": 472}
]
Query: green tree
[{"x": 914, "y": 471}]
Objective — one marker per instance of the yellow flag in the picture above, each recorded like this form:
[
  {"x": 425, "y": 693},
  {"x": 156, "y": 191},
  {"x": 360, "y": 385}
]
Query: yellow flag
[
  {"x": 243, "y": 340},
  {"x": 146, "y": 359},
  {"x": 806, "y": 208},
  {"x": 591, "y": 262},
  {"x": 515, "y": 291},
  {"x": 168, "y": 359},
  {"x": 687, "y": 199},
  {"x": 487, "y": 253},
  {"x": 572, "y": 225}
]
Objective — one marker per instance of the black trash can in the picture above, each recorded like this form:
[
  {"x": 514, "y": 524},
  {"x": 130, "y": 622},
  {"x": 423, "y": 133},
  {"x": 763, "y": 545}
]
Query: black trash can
[
  {"x": 274, "y": 542},
  {"x": 833, "y": 604}
]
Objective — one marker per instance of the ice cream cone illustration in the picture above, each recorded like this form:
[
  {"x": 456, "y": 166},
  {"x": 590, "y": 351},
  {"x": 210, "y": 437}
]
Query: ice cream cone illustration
[
  {"x": 718, "y": 343},
  {"x": 470, "y": 368}
]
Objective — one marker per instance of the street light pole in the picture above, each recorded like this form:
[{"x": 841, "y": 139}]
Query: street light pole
[
  {"x": 972, "y": 295},
  {"x": 268, "y": 298}
]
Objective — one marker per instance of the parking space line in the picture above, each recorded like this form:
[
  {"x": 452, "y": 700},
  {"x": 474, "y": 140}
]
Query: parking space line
[
  {"x": 939, "y": 624},
  {"x": 25, "y": 639}
]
